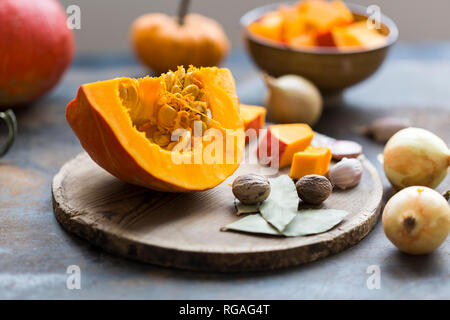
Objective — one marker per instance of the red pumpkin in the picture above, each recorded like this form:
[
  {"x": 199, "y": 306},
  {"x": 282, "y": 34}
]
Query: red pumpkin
[{"x": 36, "y": 47}]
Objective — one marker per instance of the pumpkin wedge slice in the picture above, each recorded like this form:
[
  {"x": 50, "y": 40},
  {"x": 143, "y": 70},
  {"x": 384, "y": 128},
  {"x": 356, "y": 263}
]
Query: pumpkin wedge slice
[{"x": 178, "y": 132}]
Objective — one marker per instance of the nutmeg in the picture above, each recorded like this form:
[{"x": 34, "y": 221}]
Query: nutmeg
[
  {"x": 313, "y": 188},
  {"x": 346, "y": 173},
  {"x": 251, "y": 188}
]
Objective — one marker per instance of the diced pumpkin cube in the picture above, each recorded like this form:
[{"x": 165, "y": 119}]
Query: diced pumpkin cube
[
  {"x": 254, "y": 118},
  {"x": 302, "y": 41},
  {"x": 325, "y": 39},
  {"x": 282, "y": 141},
  {"x": 343, "y": 13},
  {"x": 357, "y": 35},
  {"x": 313, "y": 160},
  {"x": 322, "y": 15},
  {"x": 270, "y": 26},
  {"x": 294, "y": 23}
]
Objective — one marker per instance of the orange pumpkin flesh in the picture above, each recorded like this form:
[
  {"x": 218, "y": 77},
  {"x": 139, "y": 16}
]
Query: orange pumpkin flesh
[
  {"x": 270, "y": 26},
  {"x": 291, "y": 138},
  {"x": 254, "y": 117},
  {"x": 322, "y": 15},
  {"x": 357, "y": 35},
  {"x": 313, "y": 160},
  {"x": 112, "y": 120}
]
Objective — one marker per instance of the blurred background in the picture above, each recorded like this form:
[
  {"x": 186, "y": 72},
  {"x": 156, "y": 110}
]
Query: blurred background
[{"x": 105, "y": 23}]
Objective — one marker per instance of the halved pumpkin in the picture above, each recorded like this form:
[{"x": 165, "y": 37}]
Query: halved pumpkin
[{"x": 127, "y": 125}]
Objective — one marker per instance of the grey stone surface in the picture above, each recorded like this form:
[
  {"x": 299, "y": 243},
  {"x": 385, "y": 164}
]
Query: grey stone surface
[{"x": 35, "y": 251}]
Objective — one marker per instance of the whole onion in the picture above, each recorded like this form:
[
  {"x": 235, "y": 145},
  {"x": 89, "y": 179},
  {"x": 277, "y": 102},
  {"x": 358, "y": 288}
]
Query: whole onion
[
  {"x": 415, "y": 157},
  {"x": 293, "y": 99},
  {"x": 417, "y": 220}
]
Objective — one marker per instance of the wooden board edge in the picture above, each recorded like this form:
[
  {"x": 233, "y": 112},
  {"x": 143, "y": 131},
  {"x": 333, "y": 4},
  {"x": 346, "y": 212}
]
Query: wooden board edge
[{"x": 213, "y": 261}]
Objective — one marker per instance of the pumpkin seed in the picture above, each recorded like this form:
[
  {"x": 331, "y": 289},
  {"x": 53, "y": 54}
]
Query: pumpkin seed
[
  {"x": 188, "y": 79},
  {"x": 176, "y": 89},
  {"x": 200, "y": 106},
  {"x": 169, "y": 80},
  {"x": 180, "y": 75},
  {"x": 128, "y": 94},
  {"x": 192, "y": 90},
  {"x": 171, "y": 145},
  {"x": 182, "y": 120},
  {"x": 167, "y": 115},
  {"x": 161, "y": 139},
  {"x": 201, "y": 96}
]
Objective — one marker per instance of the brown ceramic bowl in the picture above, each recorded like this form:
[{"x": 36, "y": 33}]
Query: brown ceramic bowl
[{"x": 331, "y": 70}]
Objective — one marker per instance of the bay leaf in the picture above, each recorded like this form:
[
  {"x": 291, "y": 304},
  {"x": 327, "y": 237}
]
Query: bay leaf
[
  {"x": 253, "y": 223},
  {"x": 313, "y": 221},
  {"x": 281, "y": 206},
  {"x": 306, "y": 222},
  {"x": 242, "y": 208}
]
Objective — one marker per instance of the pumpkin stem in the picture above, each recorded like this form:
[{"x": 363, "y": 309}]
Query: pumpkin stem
[{"x": 182, "y": 11}]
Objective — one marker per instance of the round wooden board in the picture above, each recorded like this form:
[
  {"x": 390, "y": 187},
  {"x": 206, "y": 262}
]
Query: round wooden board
[{"x": 183, "y": 230}]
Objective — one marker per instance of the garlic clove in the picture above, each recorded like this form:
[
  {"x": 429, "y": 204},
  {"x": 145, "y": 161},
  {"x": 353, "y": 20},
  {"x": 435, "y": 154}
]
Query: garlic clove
[
  {"x": 382, "y": 129},
  {"x": 346, "y": 173}
]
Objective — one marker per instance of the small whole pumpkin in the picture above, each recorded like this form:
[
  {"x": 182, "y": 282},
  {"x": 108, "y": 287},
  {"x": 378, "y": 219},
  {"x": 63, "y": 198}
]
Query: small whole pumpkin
[{"x": 162, "y": 42}]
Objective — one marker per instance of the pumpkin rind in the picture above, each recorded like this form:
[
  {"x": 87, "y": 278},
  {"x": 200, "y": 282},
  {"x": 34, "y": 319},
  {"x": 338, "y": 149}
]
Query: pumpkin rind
[{"x": 105, "y": 129}]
